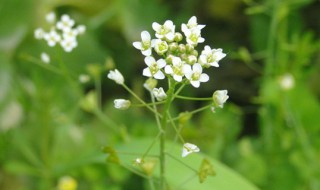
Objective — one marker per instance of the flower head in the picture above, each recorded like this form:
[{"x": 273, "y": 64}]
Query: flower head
[
  {"x": 68, "y": 44},
  {"x": 165, "y": 31},
  {"x": 193, "y": 37},
  {"x": 192, "y": 25},
  {"x": 52, "y": 38},
  {"x": 160, "y": 46},
  {"x": 122, "y": 104},
  {"x": 176, "y": 69},
  {"x": 65, "y": 23},
  {"x": 189, "y": 148},
  {"x": 220, "y": 97},
  {"x": 154, "y": 68},
  {"x": 51, "y": 17},
  {"x": 39, "y": 33},
  {"x": 286, "y": 81},
  {"x": 211, "y": 57},
  {"x": 195, "y": 75},
  {"x": 146, "y": 43},
  {"x": 116, "y": 76},
  {"x": 159, "y": 94}
]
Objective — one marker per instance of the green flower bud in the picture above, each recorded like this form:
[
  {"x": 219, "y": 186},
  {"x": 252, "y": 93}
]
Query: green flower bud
[
  {"x": 150, "y": 84},
  {"x": 178, "y": 37}
]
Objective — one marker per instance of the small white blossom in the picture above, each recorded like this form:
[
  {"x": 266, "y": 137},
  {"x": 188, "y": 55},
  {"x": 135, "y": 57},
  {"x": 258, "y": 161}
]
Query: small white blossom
[
  {"x": 39, "y": 33},
  {"x": 116, "y": 76},
  {"x": 122, "y": 104},
  {"x": 189, "y": 148},
  {"x": 83, "y": 78},
  {"x": 193, "y": 37},
  {"x": 154, "y": 68},
  {"x": 176, "y": 69},
  {"x": 81, "y": 29},
  {"x": 286, "y": 81},
  {"x": 68, "y": 44},
  {"x": 165, "y": 31},
  {"x": 195, "y": 75},
  {"x": 51, "y": 17},
  {"x": 192, "y": 25},
  {"x": 138, "y": 161},
  {"x": 70, "y": 34},
  {"x": 145, "y": 45},
  {"x": 211, "y": 57},
  {"x": 220, "y": 97},
  {"x": 45, "y": 58},
  {"x": 159, "y": 94},
  {"x": 160, "y": 46},
  {"x": 65, "y": 23},
  {"x": 52, "y": 38}
]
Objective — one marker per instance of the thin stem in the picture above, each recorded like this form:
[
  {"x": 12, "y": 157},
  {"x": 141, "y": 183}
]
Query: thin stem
[
  {"x": 139, "y": 99},
  {"x": 194, "y": 111},
  {"x": 169, "y": 99},
  {"x": 156, "y": 115},
  {"x": 193, "y": 98},
  {"x": 175, "y": 128},
  {"x": 150, "y": 146},
  {"x": 149, "y": 104}
]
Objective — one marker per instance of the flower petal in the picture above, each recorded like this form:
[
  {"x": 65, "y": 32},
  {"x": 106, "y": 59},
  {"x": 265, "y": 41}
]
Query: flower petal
[
  {"x": 137, "y": 45},
  {"x": 146, "y": 72},
  {"x": 204, "y": 77}
]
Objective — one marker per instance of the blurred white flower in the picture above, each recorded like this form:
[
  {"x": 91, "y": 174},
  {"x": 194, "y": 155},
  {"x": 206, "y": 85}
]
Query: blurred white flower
[
  {"x": 220, "y": 97},
  {"x": 154, "y": 68},
  {"x": 52, "y": 38},
  {"x": 51, "y": 17},
  {"x": 116, "y": 76},
  {"x": 287, "y": 81},
  {"x": 165, "y": 31},
  {"x": 195, "y": 75},
  {"x": 39, "y": 33},
  {"x": 211, "y": 57},
  {"x": 145, "y": 45},
  {"x": 189, "y": 148},
  {"x": 81, "y": 29},
  {"x": 45, "y": 58},
  {"x": 122, "y": 104},
  {"x": 83, "y": 78},
  {"x": 65, "y": 23},
  {"x": 159, "y": 94},
  {"x": 68, "y": 44}
]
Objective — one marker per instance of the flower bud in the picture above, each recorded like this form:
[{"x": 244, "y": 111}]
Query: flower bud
[
  {"x": 182, "y": 48},
  {"x": 122, "y": 104},
  {"x": 116, "y": 76},
  {"x": 178, "y": 37},
  {"x": 173, "y": 47},
  {"x": 189, "y": 48},
  {"x": 220, "y": 97},
  {"x": 159, "y": 93},
  {"x": 150, "y": 84},
  {"x": 191, "y": 59}
]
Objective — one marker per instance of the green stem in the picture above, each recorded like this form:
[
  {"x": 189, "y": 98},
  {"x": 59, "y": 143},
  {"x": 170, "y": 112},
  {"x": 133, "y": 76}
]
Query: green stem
[
  {"x": 193, "y": 98},
  {"x": 164, "y": 123}
]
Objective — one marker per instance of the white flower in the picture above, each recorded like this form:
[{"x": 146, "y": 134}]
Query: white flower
[
  {"x": 116, "y": 76},
  {"x": 176, "y": 69},
  {"x": 193, "y": 37},
  {"x": 45, "y": 58},
  {"x": 65, "y": 23},
  {"x": 154, "y": 68},
  {"x": 195, "y": 75},
  {"x": 286, "y": 81},
  {"x": 39, "y": 33},
  {"x": 70, "y": 34},
  {"x": 68, "y": 44},
  {"x": 145, "y": 45},
  {"x": 220, "y": 97},
  {"x": 160, "y": 46},
  {"x": 211, "y": 57},
  {"x": 81, "y": 29},
  {"x": 189, "y": 148},
  {"x": 122, "y": 104},
  {"x": 159, "y": 93},
  {"x": 192, "y": 24},
  {"x": 51, "y": 17},
  {"x": 52, "y": 38},
  {"x": 165, "y": 31},
  {"x": 83, "y": 78}
]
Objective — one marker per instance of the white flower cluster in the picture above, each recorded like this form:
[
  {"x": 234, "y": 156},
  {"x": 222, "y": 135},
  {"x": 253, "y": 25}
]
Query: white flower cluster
[
  {"x": 177, "y": 59},
  {"x": 61, "y": 32}
]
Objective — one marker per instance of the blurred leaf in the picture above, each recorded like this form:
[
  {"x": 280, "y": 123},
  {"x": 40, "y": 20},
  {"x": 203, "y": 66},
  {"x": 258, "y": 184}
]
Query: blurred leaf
[
  {"x": 205, "y": 170},
  {"x": 178, "y": 175}
]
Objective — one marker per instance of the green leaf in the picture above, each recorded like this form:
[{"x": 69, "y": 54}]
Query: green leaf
[{"x": 181, "y": 172}]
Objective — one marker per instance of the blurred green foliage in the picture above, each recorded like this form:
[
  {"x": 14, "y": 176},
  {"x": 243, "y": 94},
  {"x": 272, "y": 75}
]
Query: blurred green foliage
[{"x": 51, "y": 125}]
